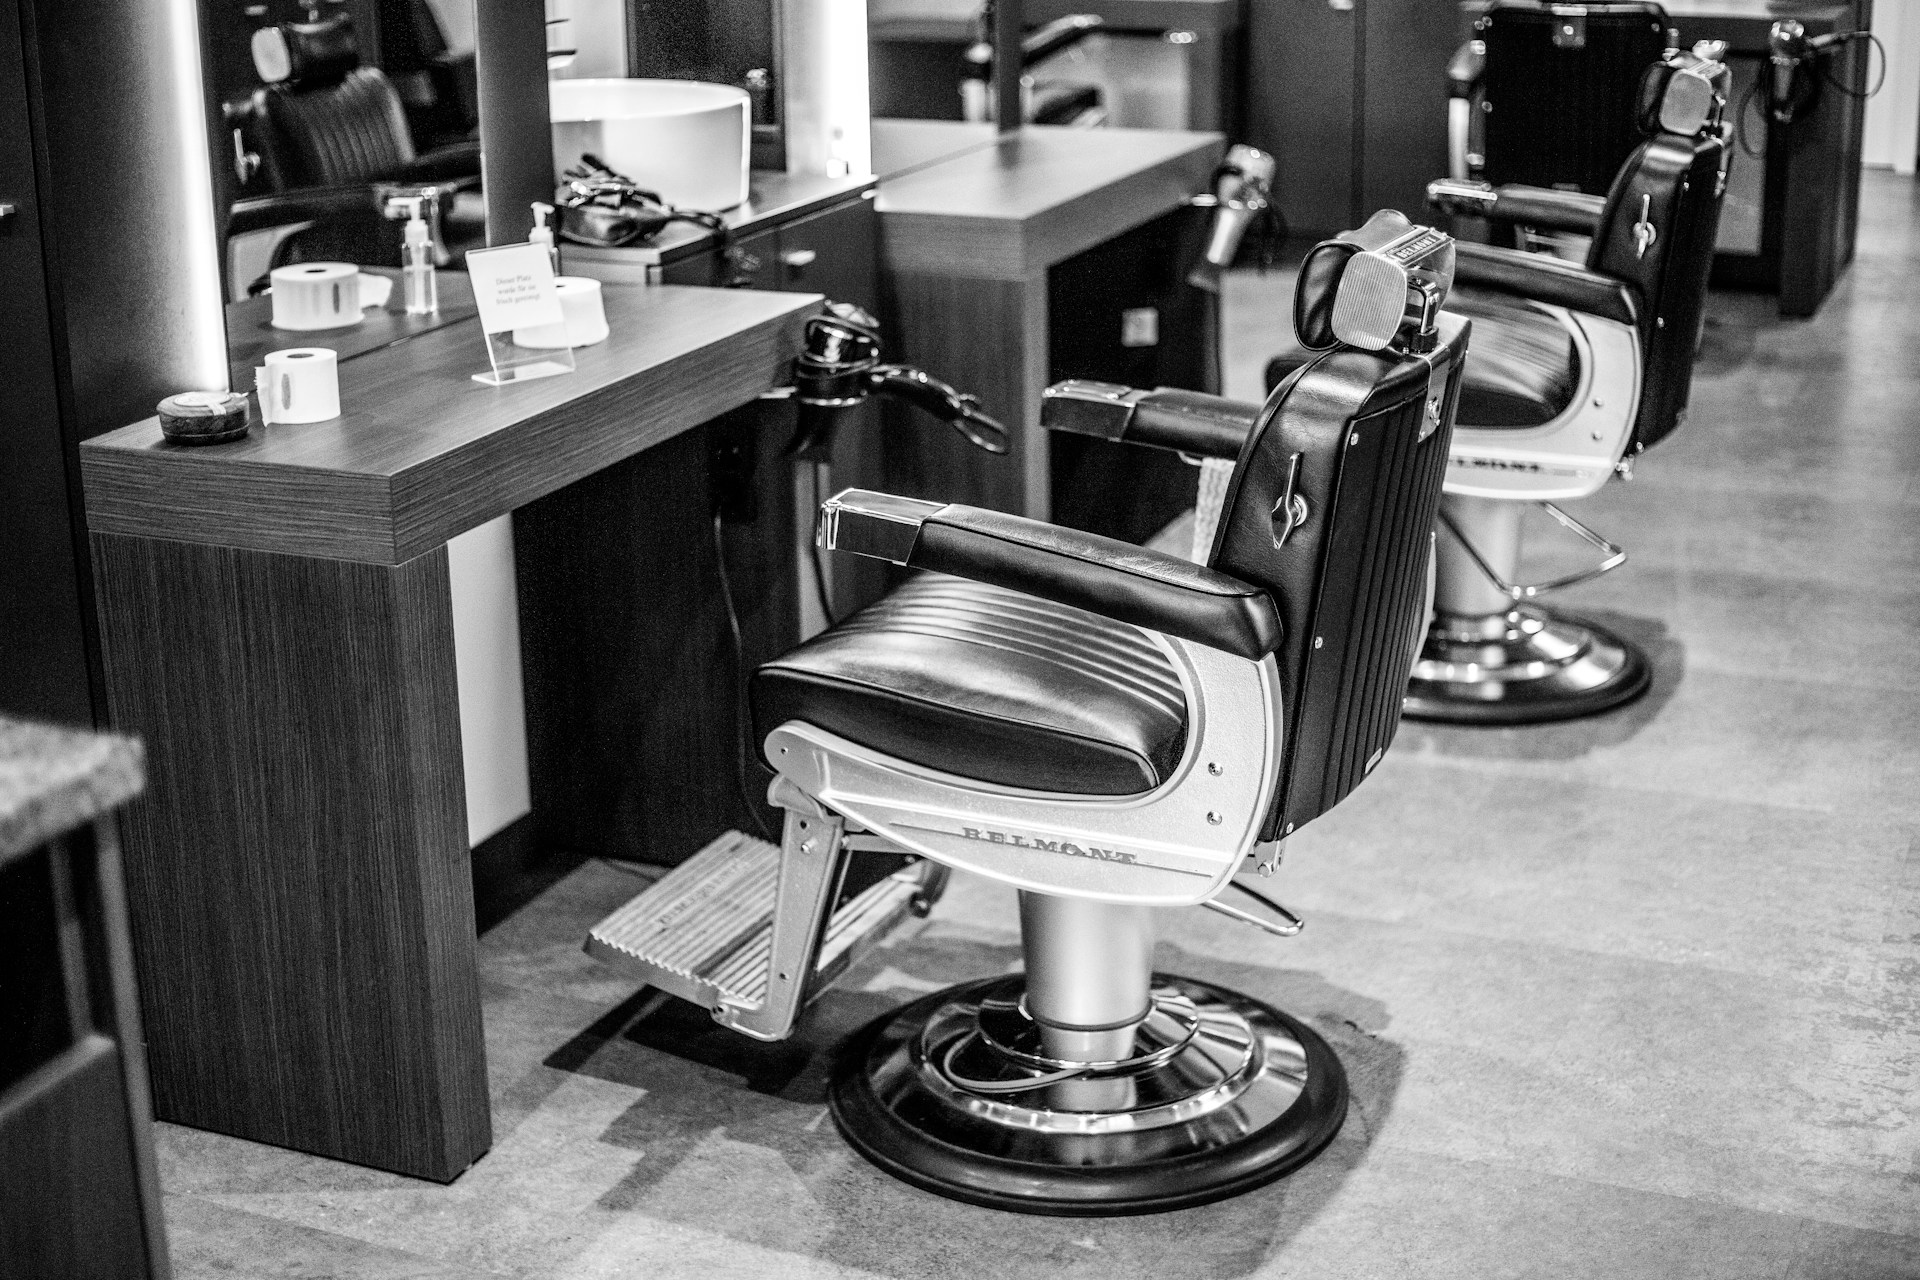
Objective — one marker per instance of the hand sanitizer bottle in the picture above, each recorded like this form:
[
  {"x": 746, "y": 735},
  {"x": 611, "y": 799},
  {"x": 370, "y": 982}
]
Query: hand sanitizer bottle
[
  {"x": 422, "y": 289},
  {"x": 542, "y": 233}
]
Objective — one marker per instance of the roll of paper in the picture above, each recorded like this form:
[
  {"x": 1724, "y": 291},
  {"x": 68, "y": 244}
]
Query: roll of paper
[
  {"x": 316, "y": 295},
  {"x": 301, "y": 384},
  {"x": 586, "y": 318}
]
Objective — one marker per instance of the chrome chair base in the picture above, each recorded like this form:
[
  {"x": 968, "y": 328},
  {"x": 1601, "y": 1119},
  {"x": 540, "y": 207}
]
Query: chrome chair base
[
  {"x": 954, "y": 1094},
  {"x": 1526, "y": 666}
]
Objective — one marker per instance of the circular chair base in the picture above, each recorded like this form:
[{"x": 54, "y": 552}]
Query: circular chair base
[
  {"x": 954, "y": 1094},
  {"x": 1523, "y": 667}
]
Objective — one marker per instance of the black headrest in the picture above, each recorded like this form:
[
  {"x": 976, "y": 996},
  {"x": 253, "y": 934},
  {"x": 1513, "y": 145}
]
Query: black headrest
[
  {"x": 307, "y": 55},
  {"x": 1685, "y": 93},
  {"x": 1355, "y": 289}
]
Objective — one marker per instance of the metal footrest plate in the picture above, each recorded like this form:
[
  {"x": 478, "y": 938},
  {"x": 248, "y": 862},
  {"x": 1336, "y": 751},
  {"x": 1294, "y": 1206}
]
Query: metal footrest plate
[{"x": 704, "y": 931}]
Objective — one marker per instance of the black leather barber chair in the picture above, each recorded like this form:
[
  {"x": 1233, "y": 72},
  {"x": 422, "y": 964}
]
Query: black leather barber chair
[
  {"x": 1108, "y": 730},
  {"x": 1545, "y": 93},
  {"x": 330, "y": 142},
  {"x": 1576, "y": 369}
]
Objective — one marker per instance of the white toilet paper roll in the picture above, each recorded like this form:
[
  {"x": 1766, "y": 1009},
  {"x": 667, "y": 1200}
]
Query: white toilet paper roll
[
  {"x": 586, "y": 318},
  {"x": 316, "y": 295},
  {"x": 301, "y": 384}
]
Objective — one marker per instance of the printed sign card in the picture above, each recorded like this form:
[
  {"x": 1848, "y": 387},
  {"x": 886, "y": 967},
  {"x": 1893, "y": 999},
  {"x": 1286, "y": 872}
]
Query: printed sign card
[{"x": 513, "y": 286}]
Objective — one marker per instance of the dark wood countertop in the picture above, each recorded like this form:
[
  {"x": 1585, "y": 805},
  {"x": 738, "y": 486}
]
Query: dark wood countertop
[
  {"x": 421, "y": 452},
  {"x": 1036, "y": 197}
]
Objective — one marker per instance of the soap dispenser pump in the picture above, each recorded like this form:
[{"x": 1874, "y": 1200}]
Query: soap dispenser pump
[
  {"x": 422, "y": 289},
  {"x": 542, "y": 233}
]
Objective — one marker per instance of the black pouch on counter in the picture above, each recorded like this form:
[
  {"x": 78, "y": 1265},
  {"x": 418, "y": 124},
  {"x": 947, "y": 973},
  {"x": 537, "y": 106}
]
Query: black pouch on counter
[{"x": 601, "y": 207}]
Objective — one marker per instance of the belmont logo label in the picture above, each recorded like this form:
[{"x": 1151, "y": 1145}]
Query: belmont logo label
[{"x": 1072, "y": 850}]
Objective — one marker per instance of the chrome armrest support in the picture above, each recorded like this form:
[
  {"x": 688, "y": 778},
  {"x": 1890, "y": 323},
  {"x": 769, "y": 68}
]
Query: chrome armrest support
[
  {"x": 1463, "y": 195},
  {"x": 881, "y": 525}
]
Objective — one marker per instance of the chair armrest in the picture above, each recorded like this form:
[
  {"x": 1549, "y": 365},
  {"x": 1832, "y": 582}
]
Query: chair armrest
[
  {"x": 447, "y": 164},
  {"x": 1540, "y": 277},
  {"x": 303, "y": 204},
  {"x": 1516, "y": 202},
  {"x": 1101, "y": 575},
  {"x": 1164, "y": 418}
]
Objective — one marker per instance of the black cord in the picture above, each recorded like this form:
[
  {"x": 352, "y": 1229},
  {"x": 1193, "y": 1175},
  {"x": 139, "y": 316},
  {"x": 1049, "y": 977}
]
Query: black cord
[
  {"x": 1260, "y": 898},
  {"x": 1879, "y": 84},
  {"x": 813, "y": 548},
  {"x": 743, "y": 718}
]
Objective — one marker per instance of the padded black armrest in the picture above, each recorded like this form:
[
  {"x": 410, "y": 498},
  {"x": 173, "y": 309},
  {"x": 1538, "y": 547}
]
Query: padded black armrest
[
  {"x": 303, "y": 204},
  {"x": 1164, "y": 418},
  {"x": 1101, "y": 575},
  {"x": 1516, "y": 202},
  {"x": 1540, "y": 277},
  {"x": 447, "y": 164}
]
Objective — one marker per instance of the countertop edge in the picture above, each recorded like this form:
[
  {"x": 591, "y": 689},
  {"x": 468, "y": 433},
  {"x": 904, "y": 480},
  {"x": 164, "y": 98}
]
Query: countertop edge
[{"x": 55, "y": 779}]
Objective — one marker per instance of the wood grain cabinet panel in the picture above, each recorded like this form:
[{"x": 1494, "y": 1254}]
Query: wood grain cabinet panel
[{"x": 298, "y": 867}]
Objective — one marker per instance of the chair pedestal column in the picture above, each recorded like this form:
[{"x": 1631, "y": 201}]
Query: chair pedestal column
[
  {"x": 1490, "y": 660},
  {"x": 1090, "y": 1085}
]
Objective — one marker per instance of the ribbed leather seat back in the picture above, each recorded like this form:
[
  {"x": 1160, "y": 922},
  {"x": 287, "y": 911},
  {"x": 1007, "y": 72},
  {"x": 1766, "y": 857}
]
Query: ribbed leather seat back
[
  {"x": 341, "y": 134},
  {"x": 1351, "y": 581},
  {"x": 1559, "y": 108}
]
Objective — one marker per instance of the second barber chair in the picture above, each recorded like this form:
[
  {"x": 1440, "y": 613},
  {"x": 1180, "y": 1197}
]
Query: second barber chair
[
  {"x": 1576, "y": 369},
  {"x": 1110, "y": 731}
]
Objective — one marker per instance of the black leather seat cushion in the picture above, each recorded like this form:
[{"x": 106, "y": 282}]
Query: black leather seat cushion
[
  {"x": 989, "y": 684},
  {"x": 1521, "y": 367}
]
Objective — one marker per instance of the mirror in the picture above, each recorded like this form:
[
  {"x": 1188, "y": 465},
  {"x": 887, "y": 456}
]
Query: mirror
[{"x": 327, "y": 109}]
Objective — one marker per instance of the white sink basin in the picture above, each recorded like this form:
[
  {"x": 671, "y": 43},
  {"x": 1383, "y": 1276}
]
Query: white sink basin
[{"x": 687, "y": 140}]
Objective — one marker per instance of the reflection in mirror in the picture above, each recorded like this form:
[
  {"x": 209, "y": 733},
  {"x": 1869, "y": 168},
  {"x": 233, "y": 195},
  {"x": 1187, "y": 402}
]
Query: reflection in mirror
[
  {"x": 331, "y": 109},
  {"x": 937, "y": 60}
]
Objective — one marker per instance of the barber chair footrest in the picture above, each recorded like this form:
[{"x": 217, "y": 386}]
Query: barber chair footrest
[
  {"x": 1527, "y": 666},
  {"x": 1223, "y": 1094},
  {"x": 704, "y": 931}
]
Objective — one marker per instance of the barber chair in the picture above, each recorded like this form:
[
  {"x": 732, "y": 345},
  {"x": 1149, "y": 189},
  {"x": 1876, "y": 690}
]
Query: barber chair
[
  {"x": 1576, "y": 369},
  {"x": 1109, "y": 730},
  {"x": 1544, "y": 94},
  {"x": 328, "y": 141}
]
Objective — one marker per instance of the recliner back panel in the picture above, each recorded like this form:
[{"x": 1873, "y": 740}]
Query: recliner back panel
[
  {"x": 1676, "y": 181},
  {"x": 348, "y": 133},
  {"x": 1560, "y": 113},
  {"x": 1371, "y": 486}
]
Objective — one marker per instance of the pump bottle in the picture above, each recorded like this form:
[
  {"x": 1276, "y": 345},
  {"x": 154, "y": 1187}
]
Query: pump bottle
[{"x": 422, "y": 289}]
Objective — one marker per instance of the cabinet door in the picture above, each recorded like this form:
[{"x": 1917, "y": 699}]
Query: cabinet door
[
  {"x": 833, "y": 253},
  {"x": 43, "y": 627}
]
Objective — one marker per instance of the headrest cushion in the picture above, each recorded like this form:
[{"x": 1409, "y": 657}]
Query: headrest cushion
[
  {"x": 306, "y": 55},
  {"x": 1684, "y": 94},
  {"x": 1354, "y": 288}
]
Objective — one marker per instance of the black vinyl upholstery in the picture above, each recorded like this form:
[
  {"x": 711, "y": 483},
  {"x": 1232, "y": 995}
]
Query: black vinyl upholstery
[
  {"x": 1111, "y": 578},
  {"x": 1523, "y": 370},
  {"x": 990, "y": 684},
  {"x": 352, "y": 131},
  {"x": 1558, "y": 111}
]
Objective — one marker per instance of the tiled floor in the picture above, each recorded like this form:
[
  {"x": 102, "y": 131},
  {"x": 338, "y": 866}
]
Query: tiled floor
[{"x": 1631, "y": 997}]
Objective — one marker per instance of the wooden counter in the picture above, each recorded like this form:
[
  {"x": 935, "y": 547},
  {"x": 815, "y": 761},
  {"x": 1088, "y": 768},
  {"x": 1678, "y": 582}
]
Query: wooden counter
[
  {"x": 966, "y": 247},
  {"x": 421, "y": 452},
  {"x": 276, "y": 619}
]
